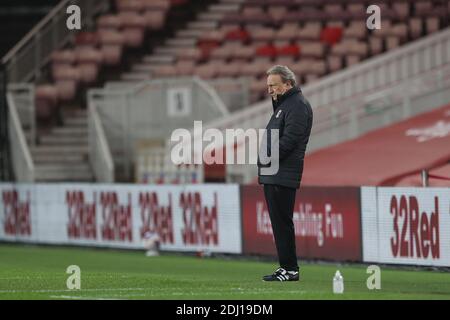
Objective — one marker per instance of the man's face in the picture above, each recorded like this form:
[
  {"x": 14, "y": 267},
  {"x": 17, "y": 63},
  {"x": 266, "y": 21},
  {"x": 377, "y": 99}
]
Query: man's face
[{"x": 275, "y": 85}]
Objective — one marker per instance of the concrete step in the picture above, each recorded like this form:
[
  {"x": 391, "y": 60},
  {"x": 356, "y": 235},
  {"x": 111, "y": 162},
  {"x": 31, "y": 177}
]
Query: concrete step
[
  {"x": 55, "y": 150},
  {"x": 181, "y": 42},
  {"x": 202, "y": 25},
  {"x": 187, "y": 33},
  {"x": 58, "y": 172},
  {"x": 59, "y": 158},
  {"x": 135, "y": 76},
  {"x": 149, "y": 60},
  {"x": 70, "y": 131},
  {"x": 76, "y": 122},
  {"x": 225, "y": 7},
  {"x": 160, "y": 59},
  {"x": 162, "y": 50},
  {"x": 144, "y": 67},
  {"x": 74, "y": 112},
  {"x": 232, "y": 1},
  {"x": 58, "y": 166},
  {"x": 64, "y": 140},
  {"x": 211, "y": 16}
]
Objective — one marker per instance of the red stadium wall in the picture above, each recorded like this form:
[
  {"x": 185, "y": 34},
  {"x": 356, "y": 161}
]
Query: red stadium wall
[
  {"x": 327, "y": 223},
  {"x": 386, "y": 156}
]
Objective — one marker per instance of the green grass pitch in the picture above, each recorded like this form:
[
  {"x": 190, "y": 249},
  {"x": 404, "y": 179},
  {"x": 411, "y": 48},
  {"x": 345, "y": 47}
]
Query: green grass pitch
[{"x": 33, "y": 272}]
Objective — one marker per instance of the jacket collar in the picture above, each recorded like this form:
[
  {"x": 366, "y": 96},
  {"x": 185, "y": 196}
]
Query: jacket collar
[{"x": 283, "y": 97}]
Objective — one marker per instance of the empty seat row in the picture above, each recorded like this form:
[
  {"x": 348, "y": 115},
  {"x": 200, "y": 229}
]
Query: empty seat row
[{"x": 129, "y": 21}]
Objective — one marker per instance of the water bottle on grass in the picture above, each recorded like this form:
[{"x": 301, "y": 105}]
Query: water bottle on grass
[{"x": 338, "y": 283}]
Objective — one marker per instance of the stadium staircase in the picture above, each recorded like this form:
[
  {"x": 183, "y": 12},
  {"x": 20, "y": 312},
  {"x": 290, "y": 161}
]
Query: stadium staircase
[
  {"x": 390, "y": 156},
  {"x": 184, "y": 40},
  {"x": 62, "y": 151}
]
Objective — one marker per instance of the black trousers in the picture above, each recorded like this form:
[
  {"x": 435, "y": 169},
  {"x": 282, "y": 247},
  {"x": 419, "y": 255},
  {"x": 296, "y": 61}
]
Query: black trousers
[{"x": 280, "y": 202}]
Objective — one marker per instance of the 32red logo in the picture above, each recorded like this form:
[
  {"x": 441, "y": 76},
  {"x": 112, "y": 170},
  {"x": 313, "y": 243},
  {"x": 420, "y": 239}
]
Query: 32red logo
[
  {"x": 200, "y": 222},
  {"x": 155, "y": 217},
  {"x": 416, "y": 234},
  {"x": 17, "y": 214}
]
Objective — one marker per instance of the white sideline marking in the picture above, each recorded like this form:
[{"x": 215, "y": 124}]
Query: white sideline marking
[
  {"x": 68, "y": 290},
  {"x": 150, "y": 292},
  {"x": 111, "y": 297},
  {"x": 82, "y": 298}
]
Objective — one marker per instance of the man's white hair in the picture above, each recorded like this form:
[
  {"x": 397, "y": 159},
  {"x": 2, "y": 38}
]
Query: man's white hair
[{"x": 285, "y": 73}]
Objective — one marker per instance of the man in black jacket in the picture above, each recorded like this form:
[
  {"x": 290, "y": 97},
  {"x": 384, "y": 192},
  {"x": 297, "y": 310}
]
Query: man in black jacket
[{"x": 292, "y": 118}]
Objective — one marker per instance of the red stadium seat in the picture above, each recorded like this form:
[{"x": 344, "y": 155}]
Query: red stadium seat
[
  {"x": 134, "y": 26},
  {"x": 46, "y": 100},
  {"x": 223, "y": 52},
  {"x": 392, "y": 42},
  {"x": 130, "y": 5},
  {"x": 112, "y": 43},
  {"x": 229, "y": 69},
  {"x": 432, "y": 24},
  {"x": 237, "y": 34},
  {"x": 67, "y": 56},
  {"x": 289, "y": 50},
  {"x": 266, "y": 51},
  {"x": 66, "y": 80},
  {"x": 212, "y": 36},
  {"x": 284, "y": 61},
  {"x": 165, "y": 71},
  {"x": 155, "y": 19},
  {"x": 206, "y": 47},
  {"x": 206, "y": 71},
  {"x": 185, "y": 67},
  {"x": 112, "y": 54},
  {"x": 376, "y": 45},
  {"x": 415, "y": 27},
  {"x": 334, "y": 9},
  {"x": 401, "y": 8},
  {"x": 109, "y": 21},
  {"x": 258, "y": 33},
  {"x": 334, "y": 63},
  {"x": 243, "y": 52},
  {"x": 250, "y": 69},
  {"x": 277, "y": 13},
  {"x": 311, "y": 31},
  {"x": 289, "y": 31},
  {"x": 331, "y": 35},
  {"x": 86, "y": 38},
  {"x": 258, "y": 88},
  {"x": 89, "y": 62},
  {"x": 356, "y": 30},
  {"x": 314, "y": 49},
  {"x": 193, "y": 54},
  {"x": 163, "y": 5}
]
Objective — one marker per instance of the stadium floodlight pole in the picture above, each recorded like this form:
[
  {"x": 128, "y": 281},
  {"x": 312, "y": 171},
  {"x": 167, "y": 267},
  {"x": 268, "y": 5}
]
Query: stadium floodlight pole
[{"x": 5, "y": 164}]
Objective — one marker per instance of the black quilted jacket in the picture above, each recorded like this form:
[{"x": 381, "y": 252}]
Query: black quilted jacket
[{"x": 293, "y": 117}]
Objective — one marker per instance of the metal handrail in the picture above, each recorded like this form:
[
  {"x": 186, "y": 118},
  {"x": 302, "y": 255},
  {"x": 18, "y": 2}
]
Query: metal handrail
[
  {"x": 20, "y": 153},
  {"x": 25, "y": 60},
  {"x": 14, "y": 50},
  {"x": 30, "y": 108},
  {"x": 99, "y": 152}
]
